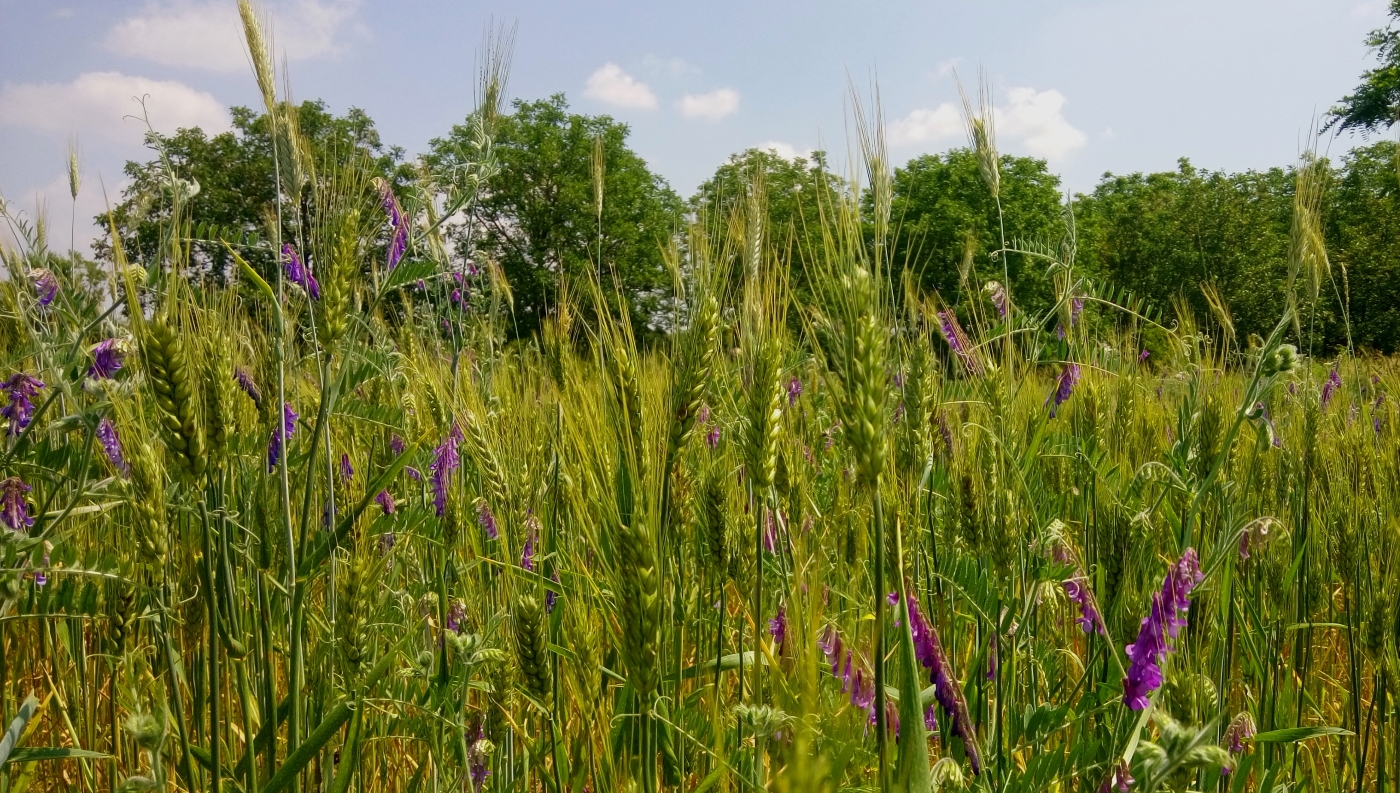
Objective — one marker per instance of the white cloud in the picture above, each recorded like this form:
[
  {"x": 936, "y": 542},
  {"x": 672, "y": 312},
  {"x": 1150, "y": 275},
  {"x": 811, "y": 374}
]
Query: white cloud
[
  {"x": 100, "y": 104},
  {"x": 711, "y": 106},
  {"x": 209, "y": 35},
  {"x": 1031, "y": 121},
  {"x": 947, "y": 67},
  {"x": 785, "y": 150},
  {"x": 1036, "y": 120},
  {"x": 58, "y": 208},
  {"x": 611, "y": 85},
  {"x": 672, "y": 67},
  {"x": 937, "y": 126}
]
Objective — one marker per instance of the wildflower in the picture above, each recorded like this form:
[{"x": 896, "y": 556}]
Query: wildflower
[
  {"x": 1142, "y": 356},
  {"x": 486, "y": 520},
  {"x": 386, "y": 540},
  {"x": 712, "y": 437},
  {"x": 777, "y": 627},
  {"x": 20, "y": 410},
  {"x": 1064, "y": 387},
  {"x": 770, "y": 532},
  {"x": 45, "y": 284},
  {"x": 274, "y": 446},
  {"x": 396, "y": 445},
  {"x": 957, "y": 340},
  {"x": 527, "y": 556},
  {"x": 550, "y": 596},
  {"x": 1158, "y": 628},
  {"x": 1119, "y": 780},
  {"x": 445, "y": 461},
  {"x": 414, "y": 473},
  {"x": 477, "y": 767},
  {"x": 298, "y": 273},
  {"x": 1240, "y": 730},
  {"x": 245, "y": 381},
  {"x": 704, "y": 414},
  {"x": 347, "y": 471},
  {"x": 1334, "y": 381},
  {"x": 1076, "y": 307},
  {"x": 40, "y": 577},
  {"x": 385, "y": 500},
  {"x": 998, "y": 295},
  {"x": 107, "y": 357},
  {"x": 1253, "y": 534},
  {"x": 111, "y": 444},
  {"x": 1089, "y": 617},
  {"x": 931, "y": 717},
  {"x": 929, "y": 652},
  {"x": 830, "y": 645},
  {"x": 456, "y": 616},
  {"x": 398, "y": 244},
  {"x": 794, "y": 391},
  {"x": 14, "y": 511}
]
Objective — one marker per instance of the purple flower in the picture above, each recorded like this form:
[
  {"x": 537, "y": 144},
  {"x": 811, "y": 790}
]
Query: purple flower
[
  {"x": 958, "y": 341},
  {"x": 396, "y": 445},
  {"x": 1162, "y": 624},
  {"x": 486, "y": 520},
  {"x": 386, "y": 540},
  {"x": 550, "y": 596},
  {"x": 1076, "y": 307},
  {"x": 1119, "y": 780},
  {"x": 1089, "y": 617},
  {"x": 931, "y": 717},
  {"x": 830, "y": 645},
  {"x": 794, "y": 391},
  {"x": 712, "y": 437},
  {"x": 1240, "y": 730},
  {"x": 704, "y": 414},
  {"x": 245, "y": 382},
  {"x": 1069, "y": 378},
  {"x": 347, "y": 471},
  {"x": 20, "y": 411},
  {"x": 527, "y": 556},
  {"x": 929, "y": 652},
  {"x": 414, "y": 473},
  {"x": 998, "y": 295},
  {"x": 770, "y": 532},
  {"x": 445, "y": 461},
  {"x": 455, "y": 616},
  {"x": 288, "y": 428},
  {"x": 112, "y": 445},
  {"x": 107, "y": 359},
  {"x": 1142, "y": 356},
  {"x": 298, "y": 273},
  {"x": 1334, "y": 381},
  {"x": 399, "y": 242},
  {"x": 777, "y": 627},
  {"x": 385, "y": 500},
  {"x": 477, "y": 766},
  {"x": 45, "y": 284},
  {"x": 14, "y": 512}
]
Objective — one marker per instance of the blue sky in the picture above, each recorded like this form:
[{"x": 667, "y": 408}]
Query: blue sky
[{"x": 1113, "y": 85}]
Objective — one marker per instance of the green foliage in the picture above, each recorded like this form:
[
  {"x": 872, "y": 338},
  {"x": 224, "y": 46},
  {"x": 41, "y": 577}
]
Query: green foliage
[
  {"x": 539, "y": 217},
  {"x": 1375, "y": 104}
]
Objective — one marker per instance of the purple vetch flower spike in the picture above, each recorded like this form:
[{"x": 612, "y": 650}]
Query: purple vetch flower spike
[
  {"x": 1064, "y": 387},
  {"x": 1163, "y": 623},
  {"x": 1089, "y": 617},
  {"x": 527, "y": 555},
  {"x": 445, "y": 461},
  {"x": 550, "y": 596},
  {"x": 112, "y": 445},
  {"x": 931, "y": 717},
  {"x": 794, "y": 390},
  {"x": 396, "y": 445},
  {"x": 1076, "y": 307},
  {"x": 21, "y": 388},
  {"x": 1329, "y": 388},
  {"x": 712, "y": 437},
  {"x": 45, "y": 285},
  {"x": 777, "y": 627},
  {"x": 245, "y": 381},
  {"x": 107, "y": 357},
  {"x": 298, "y": 273},
  {"x": 958, "y": 341},
  {"x": 455, "y": 616},
  {"x": 1119, "y": 780},
  {"x": 347, "y": 471},
  {"x": 486, "y": 520},
  {"x": 274, "y": 446},
  {"x": 398, "y": 243},
  {"x": 1241, "y": 729},
  {"x": 998, "y": 295},
  {"x": 385, "y": 500},
  {"x": 14, "y": 511},
  {"x": 413, "y": 473},
  {"x": 704, "y": 415},
  {"x": 1142, "y": 356},
  {"x": 386, "y": 542}
]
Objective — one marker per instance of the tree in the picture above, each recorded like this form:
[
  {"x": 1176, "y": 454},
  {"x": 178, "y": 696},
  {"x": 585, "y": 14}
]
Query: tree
[
  {"x": 1362, "y": 219},
  {"x": 234, "y": 172},
  {"x": 942, "y": 211},
  {"x": 1376, "y": 102},
  {"x": 539, "y": 219}
]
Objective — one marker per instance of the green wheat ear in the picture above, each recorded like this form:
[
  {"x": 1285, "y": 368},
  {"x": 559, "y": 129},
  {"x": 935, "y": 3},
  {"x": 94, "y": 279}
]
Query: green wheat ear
[
  {"x": 176, "y": 396},
  {"x": 530, "y": 647}
]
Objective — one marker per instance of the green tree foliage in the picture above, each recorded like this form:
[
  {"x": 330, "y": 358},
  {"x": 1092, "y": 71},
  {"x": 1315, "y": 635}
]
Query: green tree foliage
[
  {"x": 794, "y": 191},
  {"x": 1375, "y": 104},
  {"x": 945, "y": 213},
  {"x": 1362, "y": 216},
  {"x": 539, "y": 220},
  {"x": 231, "y": 169}
]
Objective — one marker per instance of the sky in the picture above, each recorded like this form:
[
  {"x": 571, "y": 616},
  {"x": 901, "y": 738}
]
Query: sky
[{"x": 1091, "y": 87}]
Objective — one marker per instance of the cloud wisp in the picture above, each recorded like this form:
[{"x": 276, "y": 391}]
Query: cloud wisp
[
  {"x": 108, "y": 105},
  {"x": 711, "y": 106},
  {"x": 209, "y": 35},
  {"x": 612, "y": 86},
  {"x": 1032, "y": 121}
]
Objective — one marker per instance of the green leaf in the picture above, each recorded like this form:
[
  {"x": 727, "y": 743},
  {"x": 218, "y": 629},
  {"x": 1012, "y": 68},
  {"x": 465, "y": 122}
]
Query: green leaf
[
  {"x": 408, "y": 271},
  {"x": 53, "y": 753},
  {"x": 12, "y": 735},
  {"x": 1296, "y": 734}
]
